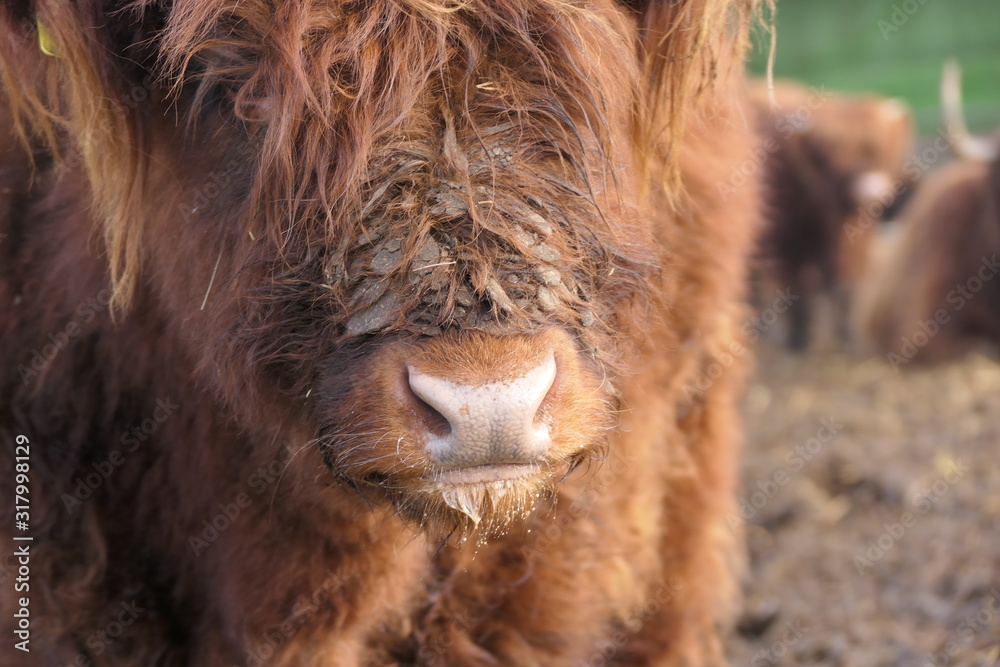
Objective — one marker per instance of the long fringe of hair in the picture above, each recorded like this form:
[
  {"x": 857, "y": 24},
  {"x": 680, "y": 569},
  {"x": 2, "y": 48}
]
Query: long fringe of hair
[{"x": 330, "y": 79}]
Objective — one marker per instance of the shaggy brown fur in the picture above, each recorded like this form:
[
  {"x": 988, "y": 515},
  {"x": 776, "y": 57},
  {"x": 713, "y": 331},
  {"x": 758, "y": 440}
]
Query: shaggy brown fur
[
  {"x": 836, "y": 165},
  {"x": 229, "y": 227}
]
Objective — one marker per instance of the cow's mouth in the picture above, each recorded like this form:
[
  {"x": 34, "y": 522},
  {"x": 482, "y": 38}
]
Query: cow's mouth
[
  {"x": 490, "y": 497},
  {"x": 482, "y": 474}
]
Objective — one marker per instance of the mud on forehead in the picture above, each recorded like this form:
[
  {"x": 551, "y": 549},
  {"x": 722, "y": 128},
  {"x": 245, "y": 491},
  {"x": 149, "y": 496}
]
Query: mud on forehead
[{"x": 481, "y": 229}]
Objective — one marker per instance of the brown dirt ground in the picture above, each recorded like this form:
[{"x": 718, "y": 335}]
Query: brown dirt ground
[{"x": 918, "y": 447}]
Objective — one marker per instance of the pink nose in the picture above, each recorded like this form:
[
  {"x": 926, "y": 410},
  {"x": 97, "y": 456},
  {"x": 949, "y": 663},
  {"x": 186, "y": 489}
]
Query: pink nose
[{"x": 486, "y": 424}]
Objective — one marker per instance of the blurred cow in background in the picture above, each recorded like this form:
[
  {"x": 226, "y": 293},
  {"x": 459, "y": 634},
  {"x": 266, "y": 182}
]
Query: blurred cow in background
[
  {"x": 933, "y": 290},
  {"x": 836, "y": 166}
]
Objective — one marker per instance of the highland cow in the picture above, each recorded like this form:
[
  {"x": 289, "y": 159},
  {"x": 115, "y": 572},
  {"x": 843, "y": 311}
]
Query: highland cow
[
  {"x": 935, "y": 290},
  {"x": 836, "y": 165},
  {"x": 367, "y": 333}
]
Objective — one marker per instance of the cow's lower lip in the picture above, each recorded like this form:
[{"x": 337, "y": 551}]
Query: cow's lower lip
[{"x": 484, "y": 474}]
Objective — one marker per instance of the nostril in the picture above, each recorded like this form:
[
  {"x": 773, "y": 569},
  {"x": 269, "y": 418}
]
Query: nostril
[
  {"x": 548, "y": 396},
  {"x": 432, "y": 419}
]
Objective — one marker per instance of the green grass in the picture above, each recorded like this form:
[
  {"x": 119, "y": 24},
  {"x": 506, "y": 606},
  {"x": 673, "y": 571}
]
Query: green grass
[{"x": 839, "y": 44}]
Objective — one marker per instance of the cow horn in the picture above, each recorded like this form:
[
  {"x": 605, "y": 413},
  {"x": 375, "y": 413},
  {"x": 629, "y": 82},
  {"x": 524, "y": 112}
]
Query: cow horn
[{"x": 964, "y": 144}]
